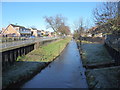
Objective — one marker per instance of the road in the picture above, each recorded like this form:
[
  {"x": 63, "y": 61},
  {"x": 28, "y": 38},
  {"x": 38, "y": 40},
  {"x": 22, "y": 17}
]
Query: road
[
  {"x": 65, "y": 72},
  {"x": 17, "y": 43}
]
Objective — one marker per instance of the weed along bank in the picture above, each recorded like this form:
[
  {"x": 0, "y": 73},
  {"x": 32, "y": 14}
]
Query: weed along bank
[{"x": 35, "y": 61}]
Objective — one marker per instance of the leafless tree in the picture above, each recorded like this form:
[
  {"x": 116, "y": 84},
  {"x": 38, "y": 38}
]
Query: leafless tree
[
  {"x": 106, "y": 15},
  {"x": 79, "y": 26},
  {"x": 79, "y": 29},
  {"x": 57, "y": 23},
  {"x": 54, "y": 22},
  {"x": 64, "y": 29}
]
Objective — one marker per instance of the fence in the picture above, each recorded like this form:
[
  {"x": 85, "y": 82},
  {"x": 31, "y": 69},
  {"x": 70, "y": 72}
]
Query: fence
[
  {"x": 11, "y": 39},
  {"x": 10, "y": 56}
]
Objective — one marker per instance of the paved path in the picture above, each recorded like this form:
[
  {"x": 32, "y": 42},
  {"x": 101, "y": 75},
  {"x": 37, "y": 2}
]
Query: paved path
[{"x": 65, "y": 72}]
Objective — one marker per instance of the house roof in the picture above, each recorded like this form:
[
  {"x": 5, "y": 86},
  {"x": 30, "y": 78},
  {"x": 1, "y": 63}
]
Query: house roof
[
  {"x": 34, "y": 28},
  {"x": 39, "y": 30},
  {"x": 17, "y": 26},
  {"x": 28, "y": 28},
  {"x": 93, "y": 29}
]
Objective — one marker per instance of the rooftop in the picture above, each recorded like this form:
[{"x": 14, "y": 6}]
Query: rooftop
[{"x": 17, "y": 26}]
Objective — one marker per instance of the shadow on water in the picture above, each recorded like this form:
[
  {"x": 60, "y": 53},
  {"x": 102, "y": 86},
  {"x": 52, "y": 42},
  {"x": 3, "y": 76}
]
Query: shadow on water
[{"x": 65, "y": 72}]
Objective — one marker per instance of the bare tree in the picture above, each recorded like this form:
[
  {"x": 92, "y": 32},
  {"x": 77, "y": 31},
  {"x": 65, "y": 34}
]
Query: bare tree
[
  {"x": 54, "y": 22},
  {"x": 57, "y": 23},
  {"x": 79, "y": 26},
  {"x": 106, "y": 15},
  {"x": 106, "y": 12},
  {"x": 64, "y": 29},
  {"x": 79, "y": 29}
]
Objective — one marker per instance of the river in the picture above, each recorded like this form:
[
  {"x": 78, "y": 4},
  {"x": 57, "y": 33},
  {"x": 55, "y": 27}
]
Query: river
[{"x": 65, "y": 72}]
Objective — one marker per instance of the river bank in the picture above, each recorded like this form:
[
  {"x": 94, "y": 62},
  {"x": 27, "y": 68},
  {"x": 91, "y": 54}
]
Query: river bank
[
  {"x": 65, "y": 72},
  {"x": 27, "y": 67},
  {"x": 101, "y": 71}
]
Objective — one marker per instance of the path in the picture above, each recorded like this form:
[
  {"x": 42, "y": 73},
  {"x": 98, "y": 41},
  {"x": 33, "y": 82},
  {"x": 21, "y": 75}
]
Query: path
[{"x": 65, "y": 72}]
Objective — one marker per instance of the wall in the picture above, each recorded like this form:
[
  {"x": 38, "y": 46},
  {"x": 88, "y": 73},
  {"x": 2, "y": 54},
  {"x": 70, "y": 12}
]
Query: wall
[
  {"x": 94, "y": 39},
  {"x": 11, "y": 30},
  {"x": 10, "y": 56},
  {"x": 112, "y": 43}
]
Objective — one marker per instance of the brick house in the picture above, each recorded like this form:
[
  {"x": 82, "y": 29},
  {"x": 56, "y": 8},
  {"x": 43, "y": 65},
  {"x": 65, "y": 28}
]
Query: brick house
[{"x": 16, "y": 30}]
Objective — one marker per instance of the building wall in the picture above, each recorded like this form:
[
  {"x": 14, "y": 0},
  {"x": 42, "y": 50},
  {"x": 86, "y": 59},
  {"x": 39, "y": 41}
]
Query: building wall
[
  {"x": 42, "y": 32},
  {"x": 10, "y": 30},
  {"x": 34, "y": 33},
  {"x": 49, "y": 34},
  {"x": 39, "y": 33}
]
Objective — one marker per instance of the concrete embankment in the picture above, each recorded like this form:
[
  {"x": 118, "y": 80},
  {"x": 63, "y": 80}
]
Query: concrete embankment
[
  {"x": 101, "y": 70},
  {"x": 22, "y": 71}
]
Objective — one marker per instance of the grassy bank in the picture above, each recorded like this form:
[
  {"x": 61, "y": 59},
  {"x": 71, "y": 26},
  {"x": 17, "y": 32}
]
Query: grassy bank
[
  {"x": 47, "y": 52},
  {"x": 96, "y": 54},
  {"x": 108, "y": 77},
  {"x": 31, "y": 64}
]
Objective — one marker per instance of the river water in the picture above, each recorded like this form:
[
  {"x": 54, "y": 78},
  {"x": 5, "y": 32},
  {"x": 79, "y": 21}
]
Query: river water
[{"x": 65, "y": 72}]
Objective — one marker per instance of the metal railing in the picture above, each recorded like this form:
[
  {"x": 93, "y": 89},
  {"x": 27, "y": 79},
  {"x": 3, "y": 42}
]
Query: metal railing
[{"x": 27, "y": 41}]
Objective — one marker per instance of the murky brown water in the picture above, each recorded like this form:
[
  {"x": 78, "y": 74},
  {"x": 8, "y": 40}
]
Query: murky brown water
[{"x": 65, "y": 72}]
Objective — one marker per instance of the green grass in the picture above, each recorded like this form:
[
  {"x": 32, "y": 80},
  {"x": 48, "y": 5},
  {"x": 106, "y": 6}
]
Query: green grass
[{"x": 47, "y": 52}]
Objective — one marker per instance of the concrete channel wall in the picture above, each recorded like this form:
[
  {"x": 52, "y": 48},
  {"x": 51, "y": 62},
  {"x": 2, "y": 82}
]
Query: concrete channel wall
[
  {"x": 9, "y": 56},
  {"x": 114, "y": 53},
  {"x": 112, "y": 43}
]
